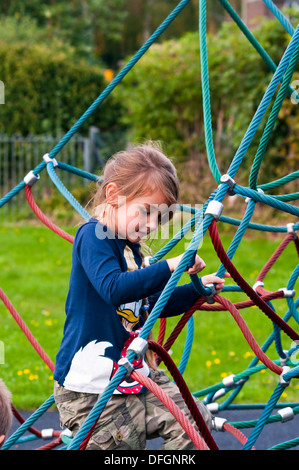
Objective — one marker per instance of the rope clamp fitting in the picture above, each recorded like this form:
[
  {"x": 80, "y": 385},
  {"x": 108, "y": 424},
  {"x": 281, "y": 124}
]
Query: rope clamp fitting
[
  {"x": 47, "y": 433},
  {"x": 228, "y": 381},
  {"x": 286, "y": 414},
  {"x": 213, "y": 407},
  {"x": 47, "y": 159},
  {"x": 282, "y": 381},
  {"x": 283, "y": 360},
  {"x": 218, "y": 423},
  {"x": 138, "y": 346},
  {"x": 259, "y": 190},
  {"x": 288, "y": 293},
  {"x": 210, "y": 297},
  {"x": 227, "y": 179},
  {"x": 257, "y": 284},
  {"x": 290, "y": 229},
  {"x": 124, "y": 361},
  {"x": 31, "y": 178},
  {"x": 215, "y": 209}
]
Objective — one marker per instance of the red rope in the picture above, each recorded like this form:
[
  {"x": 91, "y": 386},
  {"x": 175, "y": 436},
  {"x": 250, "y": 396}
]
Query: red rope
[
  {"x": 43, "y": 218},
  {"x": 51, "y": 445},
  {"x": 248, "y": 336},
  {"x": 173, "y": 408},
  {"x": 26, "y": 330},
  {"x": 182, "y": 322},
  {"x": 235, "y": 432},
  {"x": 244, "y": 304},
  {"x": 21, "y": 420},
  {"x": 188, "y": 398},
  {"x": 162, "y": 331},
  {"x": 275, "y": 256},
  {"x": 245, "y": 286}
]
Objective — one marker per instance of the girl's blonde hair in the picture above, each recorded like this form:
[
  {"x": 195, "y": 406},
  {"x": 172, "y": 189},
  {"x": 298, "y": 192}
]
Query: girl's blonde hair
[{"x": 139, "y": 171}]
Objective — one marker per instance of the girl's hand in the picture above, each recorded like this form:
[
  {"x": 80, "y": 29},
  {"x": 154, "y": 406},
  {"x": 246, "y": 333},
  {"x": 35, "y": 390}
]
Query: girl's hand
[
  {"x": 212, "y": 279},
  {"x": 198, "y": 265}
]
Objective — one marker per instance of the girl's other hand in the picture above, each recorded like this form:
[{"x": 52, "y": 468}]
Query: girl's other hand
[
  {"x": 213, "y": 279},
  {"x": 198, "y": 265}
]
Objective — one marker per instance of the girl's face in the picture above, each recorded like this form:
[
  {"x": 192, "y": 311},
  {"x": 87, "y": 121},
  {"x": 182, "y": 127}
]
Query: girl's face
[{"x": 140, "y": 216}]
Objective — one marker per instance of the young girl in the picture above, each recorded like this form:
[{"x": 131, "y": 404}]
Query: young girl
[{"x": 105, "y": 307}]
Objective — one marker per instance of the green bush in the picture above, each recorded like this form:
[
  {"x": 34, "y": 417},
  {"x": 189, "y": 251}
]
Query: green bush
[{"x": 47, "y": 89}]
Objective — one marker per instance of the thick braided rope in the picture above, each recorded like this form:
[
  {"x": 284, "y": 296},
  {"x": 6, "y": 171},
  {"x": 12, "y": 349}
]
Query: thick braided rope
[
  {"x": 246, "y": 287},
  {"x": 173, "y": 408}
]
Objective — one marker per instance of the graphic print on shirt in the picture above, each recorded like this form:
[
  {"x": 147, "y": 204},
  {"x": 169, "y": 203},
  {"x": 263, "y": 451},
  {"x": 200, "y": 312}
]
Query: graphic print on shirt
[
  {"x": 130, "y": 311},
  {"x": 90, "y": 365}
]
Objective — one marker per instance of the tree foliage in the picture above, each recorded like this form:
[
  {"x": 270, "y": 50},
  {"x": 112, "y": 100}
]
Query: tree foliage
[{"x": 47, "y": 89}]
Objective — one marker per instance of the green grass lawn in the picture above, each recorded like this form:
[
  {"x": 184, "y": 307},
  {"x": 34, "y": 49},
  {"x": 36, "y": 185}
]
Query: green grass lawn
[{"x": 35, "y": 268}]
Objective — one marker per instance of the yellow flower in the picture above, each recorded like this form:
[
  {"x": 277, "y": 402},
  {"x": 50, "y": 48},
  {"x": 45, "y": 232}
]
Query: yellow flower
[
  {"x": 20, "y": 372},
  {"x": 208, "y": 363},
  {"x": 26, "y": 371},
  {"x": 248, "y": 354},
  {"x": 217, "y": 361},
  {"x": 214, "y": 353},
  {"x": 33, "y": 377},
  {"x": 231, "y": 353}
]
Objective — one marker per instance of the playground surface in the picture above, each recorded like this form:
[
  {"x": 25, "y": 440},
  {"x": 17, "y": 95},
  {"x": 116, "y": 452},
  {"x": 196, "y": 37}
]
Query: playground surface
[{"x": 272, "y": 434}]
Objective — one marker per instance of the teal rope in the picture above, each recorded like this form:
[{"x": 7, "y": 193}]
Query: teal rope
[
  {"x": 206, "y": 91},
  {"x": 263, "y": 104},
  {"x": 252, "y": 40},
  {"x": 281, "y": 18},
  {"x": 272, "y": 119},
  {"x": 29, "y": 422},
  {"x": 188, "y": 345},
  {"x": 64, "y": 191}
]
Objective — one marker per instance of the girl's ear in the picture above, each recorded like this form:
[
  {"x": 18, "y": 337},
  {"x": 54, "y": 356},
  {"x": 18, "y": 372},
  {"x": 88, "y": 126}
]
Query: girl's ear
[{"x": 112, "y": 193}]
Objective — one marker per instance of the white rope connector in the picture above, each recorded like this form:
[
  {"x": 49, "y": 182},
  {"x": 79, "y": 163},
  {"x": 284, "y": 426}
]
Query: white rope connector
[
  {"x": 257, "y": 284},
  {"x": 282, "y": 381},
  {"x": 210, "y": 299},
  {"x": 138, "y": 346},
  {"x": 228, "y": 381},
  {"x": 227, "y": 179},
  {"x": 218, "y": 423},
  {"x": 283, "y": 360},
  {"x": 286, "y": 414},
  {"x": 220, "y": 393},
  {"x": 287, "y": 293},
  {"x": 215, "y": 209},
  {"x": 213, "y": 407},
  {"x": 47, "y": 159},
  {"x": 31, "y": 178},
  {"x": 47, "y": 433},
  {"x": 259, "y": 190},
  {"x": 67, "y": 432},
  {"x": 290, "y": 229},
  {"x": 124, "y": 361}
]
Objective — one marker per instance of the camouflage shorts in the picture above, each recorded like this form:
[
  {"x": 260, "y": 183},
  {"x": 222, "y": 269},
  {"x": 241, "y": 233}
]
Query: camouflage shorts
[{"x": 128, "y": 421}]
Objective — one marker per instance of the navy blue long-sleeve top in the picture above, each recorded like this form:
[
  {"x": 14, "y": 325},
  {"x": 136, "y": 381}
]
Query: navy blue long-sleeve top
[{"x": 103, "y": 308}]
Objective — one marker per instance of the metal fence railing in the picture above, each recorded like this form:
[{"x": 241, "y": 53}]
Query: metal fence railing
[{"x": 19, "y": 155}]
